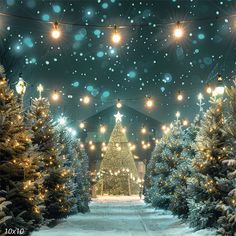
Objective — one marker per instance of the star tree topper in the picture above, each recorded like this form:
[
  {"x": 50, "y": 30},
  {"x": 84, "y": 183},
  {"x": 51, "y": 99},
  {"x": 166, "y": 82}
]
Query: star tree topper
[{"x": 118, "y": 117}]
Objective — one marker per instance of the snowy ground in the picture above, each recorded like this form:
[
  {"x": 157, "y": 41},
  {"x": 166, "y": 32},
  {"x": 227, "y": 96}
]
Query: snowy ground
[{"x": 121, "y": 216}]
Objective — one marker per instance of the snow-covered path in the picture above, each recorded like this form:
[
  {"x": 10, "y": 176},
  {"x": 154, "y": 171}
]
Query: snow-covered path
[{"x": 121, "y": 216}]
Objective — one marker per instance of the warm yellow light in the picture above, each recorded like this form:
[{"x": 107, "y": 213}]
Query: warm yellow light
[
  {"x": 118, "y": 104},
  {"x": 92, "y": 147},
  {"x": 177, "y": 114},
  {"x": 185, "y": 122},
  {"x": 21, "y": 86},
  {"x": 56, "y": 32},
  {"x": 208, "y": 89},
  {"x": 180, "y": 96},
  {"x": 116, "y": 37},
  {"x": 149, "y": 103},
  {"x": 55, "y": 96},
  {"x": 82, "y": 125},
  {"x": 102, "y": 129},
  {"x": 86, "y": 100},
  {"x": 178, "y": 31},
  {"x": 143, "y": 130}
]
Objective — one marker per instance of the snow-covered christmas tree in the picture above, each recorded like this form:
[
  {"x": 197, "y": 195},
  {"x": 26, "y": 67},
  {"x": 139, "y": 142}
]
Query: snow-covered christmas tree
[{"x": 118, "y": 172}]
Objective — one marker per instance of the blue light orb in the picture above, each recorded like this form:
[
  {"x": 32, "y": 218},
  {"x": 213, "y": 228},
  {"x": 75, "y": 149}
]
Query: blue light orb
[
  {"x": 163, "y": 89},
  {"x": 105, "y": 5},
  {"x": 89, "y": 88},
  {"x": 33, "y": 61},
  {"x": 28, "y": 42},
  {"x": 100, "y": 54},
  {"x": 201, "y": 36},
  {"x": 97, "y": 33},
  {"x": 80, "y": 35},
  {"x": 56, "y": 8},
  {"x": 167, "y": 78},
  {"x": 75, "y": 84},
  {"x": 132, "y": 74},
  {"x": 95, "y": 92},
  {"x": 45, "y": 17},
  {"x": 105, "y": 94}
]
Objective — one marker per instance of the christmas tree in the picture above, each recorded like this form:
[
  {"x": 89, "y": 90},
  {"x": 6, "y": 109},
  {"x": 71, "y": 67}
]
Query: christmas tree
[
  {"x": 19, "y": 173},
  {"x": 208, "y": 186},
  {"x": 163, "y": 162},
  {"x": 180, "y": 175},
  {"x": 118, "y": 173},
  {"x": 82, "y": 181},
  {"x": 228, "y": 207},
  {"x": 54, "y": 191}
]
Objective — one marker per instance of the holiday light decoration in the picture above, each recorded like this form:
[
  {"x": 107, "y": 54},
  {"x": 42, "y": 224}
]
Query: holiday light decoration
[
  {"x": 86, "y": 100},
  {"x": 116, "y": 36},
  {"x": 180, "y": 96},
  {"x": 220, "y": 88},
  {"x": 208, "y": 89},
  {"x": 56, "y": 32},
  {"x": 21, "y": 86},
  {"x": 55, "y": 96},
  {"x": 82, "y": 125},
  {"x": 118, "y": 103},
  {"x": 178, "y": 30},
  {"x": 149, "y": 102},
  {"x": 40, "y": 89},
  {"x": 103, "y": 129}
]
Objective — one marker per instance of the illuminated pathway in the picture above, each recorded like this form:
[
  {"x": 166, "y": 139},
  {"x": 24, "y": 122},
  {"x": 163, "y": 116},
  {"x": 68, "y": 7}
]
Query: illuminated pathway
[{"x": 126, "y": 216}]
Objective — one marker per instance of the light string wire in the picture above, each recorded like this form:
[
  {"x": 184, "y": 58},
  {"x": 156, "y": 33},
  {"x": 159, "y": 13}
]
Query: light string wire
[{"x": 215, "y": 18}]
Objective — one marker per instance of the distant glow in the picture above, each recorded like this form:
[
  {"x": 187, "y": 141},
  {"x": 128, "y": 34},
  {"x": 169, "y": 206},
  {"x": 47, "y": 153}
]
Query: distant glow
[
  {"x": 208, "y": 89},
  {"x": 40, "y": 90},
  {"x": 180, "y": 96},
  {"x": 200, "y": 96},
  {"x": 103, "y": 129},
  {"x": 116, "y": 37},
  {"x": 118, "y": 104},
  {"x": 82, "y": 125},
  {"x": 56, "y": 8},
  {"x": 56, "y": 32},
  {"x": 21, "y": 87},
  {"x": 143, "y": 130},
  {"x": 185, "y": 122},
  {"x": 62, "y": 120},
  {"x": 86, "y": 100},
  {"x": 92, "y": 147},
  {"x": 177, "y": 114},
  {"x": 72, "y": 131},
  {"x": 55, "y": 96},
  {"x": 178, "y": 31},
  {"x": 149, "y": 103}
]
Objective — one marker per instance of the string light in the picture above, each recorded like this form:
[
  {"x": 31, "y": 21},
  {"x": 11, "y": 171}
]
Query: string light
[
  {"x": 180, "y": 96},
  {"x": 55, "y": 96},
  {"x": 219, "y": 90},
  {"x": 185, "y": 122},
  {"x": 208, "y": 89},
  {"x": 143, "y": 130},
  {"x": 178, "y": 30},
  {"x": 116, "y": 37},
  {"x": 82, "y": 125},
  {"x": 102, "y": 129},
  {"x": 56, "y": 32},
  {"x": 118, "y": 103},
  {"x": 149, "y": 102},
  {"x": 86, "y": 100}
]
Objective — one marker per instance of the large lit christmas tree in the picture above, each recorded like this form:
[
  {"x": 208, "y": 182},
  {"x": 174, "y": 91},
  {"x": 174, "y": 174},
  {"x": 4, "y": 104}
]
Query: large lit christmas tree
[{"x": 118, "y": 173}]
